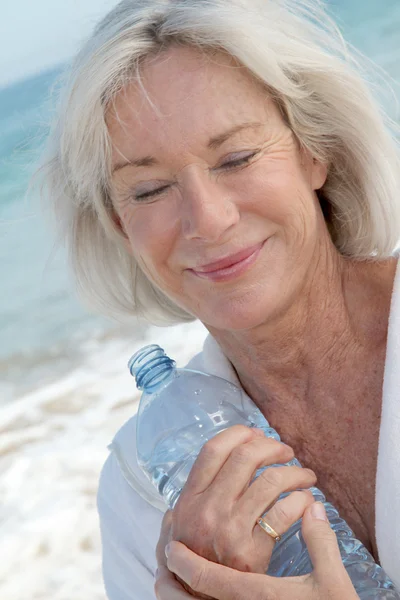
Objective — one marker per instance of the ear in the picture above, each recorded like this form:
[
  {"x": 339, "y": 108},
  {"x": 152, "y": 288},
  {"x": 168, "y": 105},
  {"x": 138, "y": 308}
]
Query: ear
[
  {"x": 117, "y": 223},
  {"x": 319, "y": 174},
  {"x": 121, "y": 231}
]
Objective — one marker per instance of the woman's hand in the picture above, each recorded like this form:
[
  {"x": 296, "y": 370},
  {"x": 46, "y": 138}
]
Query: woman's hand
[
  {"x": 328, "y": 581},
  {"x": 216, "y": 515}
]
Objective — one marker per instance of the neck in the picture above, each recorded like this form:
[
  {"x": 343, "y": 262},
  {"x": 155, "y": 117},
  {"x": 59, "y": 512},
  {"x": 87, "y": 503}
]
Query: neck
[{"x": 339, "y": 318}]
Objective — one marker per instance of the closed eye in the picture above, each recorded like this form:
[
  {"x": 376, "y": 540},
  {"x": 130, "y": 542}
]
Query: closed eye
[
  {"x": 238, "y": 162},
  {"x": 151, "y": 193}
]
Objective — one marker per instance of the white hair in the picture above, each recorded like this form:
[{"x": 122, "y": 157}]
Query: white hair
[{"x": 297, "y": 51}]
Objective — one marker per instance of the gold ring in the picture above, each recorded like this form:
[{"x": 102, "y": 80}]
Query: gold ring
[{"x": 268, "y": 529}]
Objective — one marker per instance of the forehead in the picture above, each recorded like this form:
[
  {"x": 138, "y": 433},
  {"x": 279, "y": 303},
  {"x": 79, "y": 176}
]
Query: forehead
[{"x": 184, "y": 94}]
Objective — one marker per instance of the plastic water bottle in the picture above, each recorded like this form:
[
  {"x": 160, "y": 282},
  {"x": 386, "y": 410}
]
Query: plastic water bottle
[{"x": 179, "y": 411}]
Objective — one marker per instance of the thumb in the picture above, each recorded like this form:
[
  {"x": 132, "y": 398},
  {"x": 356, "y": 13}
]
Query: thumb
[
  {"x": 211, "y": 579},
  {"x": 321, "y": 540}
]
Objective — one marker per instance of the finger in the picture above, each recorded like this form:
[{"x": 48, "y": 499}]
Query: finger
[
  {"x": 214, "y": 454},
  {"x": 244, "y": 460},
  {"x": 217, "y": 581},
  {"x": 322, "y": 543},
  {"x": 164, "y": 539},
  {"x": 166, "y": 587},
  {"x": 283, "y": 515},
  {"x": 329, "y": 572},
  {"x": 270, "y": 484}
]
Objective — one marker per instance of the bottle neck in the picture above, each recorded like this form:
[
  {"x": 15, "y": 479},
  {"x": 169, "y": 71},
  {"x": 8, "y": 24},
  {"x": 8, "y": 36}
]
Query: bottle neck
[
  {"x": 156, "y": 377},
  {"x": 152, "y": 368}
]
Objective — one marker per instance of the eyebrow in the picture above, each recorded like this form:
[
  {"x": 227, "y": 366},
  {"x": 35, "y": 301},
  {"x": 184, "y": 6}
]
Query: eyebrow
[
  {"x": 213, "y": 144},
  {"x": 217, "y": 141},
  {"x": 146, "y": 161}
]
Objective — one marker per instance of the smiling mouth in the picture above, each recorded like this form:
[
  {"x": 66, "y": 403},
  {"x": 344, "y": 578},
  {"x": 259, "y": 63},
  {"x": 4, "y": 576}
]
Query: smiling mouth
[
  {"x": 228, "y": 261},
  {"x": 230, "y": 267}
]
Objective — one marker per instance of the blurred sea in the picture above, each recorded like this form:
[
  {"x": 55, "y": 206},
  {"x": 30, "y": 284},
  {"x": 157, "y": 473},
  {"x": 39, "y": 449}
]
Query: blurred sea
[{"x": 64, "y": 387}]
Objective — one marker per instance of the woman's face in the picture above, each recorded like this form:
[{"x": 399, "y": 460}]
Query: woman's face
[{"x": 205, "y": 169}]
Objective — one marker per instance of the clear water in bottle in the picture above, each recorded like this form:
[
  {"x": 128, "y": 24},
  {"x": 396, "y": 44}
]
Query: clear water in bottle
[{"x": 179, "y": 411}]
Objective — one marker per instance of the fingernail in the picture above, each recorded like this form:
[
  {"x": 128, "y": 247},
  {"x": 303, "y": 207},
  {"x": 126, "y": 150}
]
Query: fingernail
[
  {"x": 167, "y": 549},
  {"x": 287, "y": 446},
  {"x": 318, "y": 511},
  {"x": 310, "y": 471}
]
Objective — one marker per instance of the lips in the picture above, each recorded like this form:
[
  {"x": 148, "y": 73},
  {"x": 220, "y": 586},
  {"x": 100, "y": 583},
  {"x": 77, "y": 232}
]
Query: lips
[{"x": 229, "y": 260}]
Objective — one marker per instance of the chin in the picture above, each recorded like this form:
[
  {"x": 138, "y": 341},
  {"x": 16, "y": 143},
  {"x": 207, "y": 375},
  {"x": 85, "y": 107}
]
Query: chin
[{"x": 239, "y": 315}]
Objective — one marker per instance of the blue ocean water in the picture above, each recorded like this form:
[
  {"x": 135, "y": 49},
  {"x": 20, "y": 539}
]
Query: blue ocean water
[{"x": 41, "y": 322}]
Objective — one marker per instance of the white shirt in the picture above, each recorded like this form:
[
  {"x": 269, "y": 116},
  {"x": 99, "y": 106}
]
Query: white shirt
[{"x": 131, "y": 511}]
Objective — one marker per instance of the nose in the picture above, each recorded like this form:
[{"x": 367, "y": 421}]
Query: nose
[{"x": 208, "y": 208}]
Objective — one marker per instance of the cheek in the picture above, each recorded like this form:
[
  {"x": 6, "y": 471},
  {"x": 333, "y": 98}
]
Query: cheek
[
  {"x": 276, "y": 194},
  {"x": 281, "y": 195},
  {"x": 151, "y": 236}
]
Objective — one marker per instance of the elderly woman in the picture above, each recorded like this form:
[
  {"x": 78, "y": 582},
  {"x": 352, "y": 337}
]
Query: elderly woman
[{"x": 224, "y": 161}]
